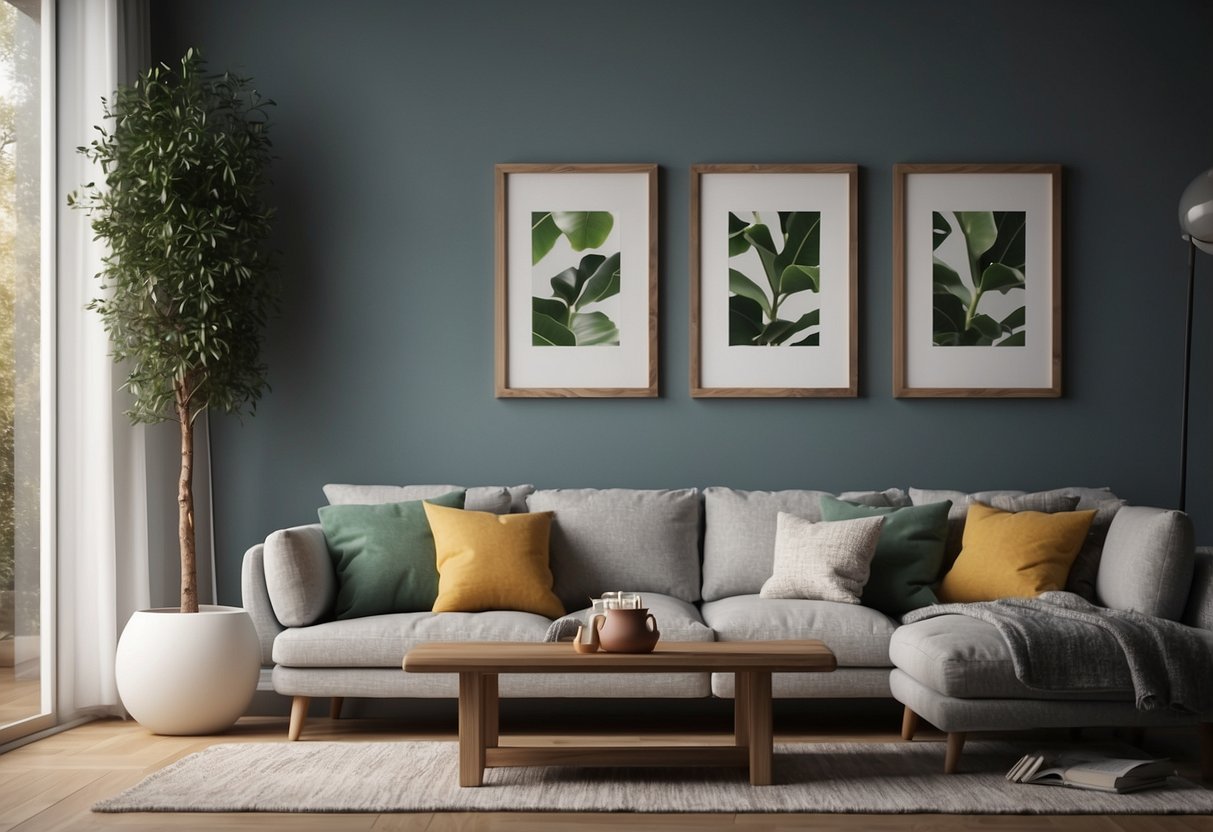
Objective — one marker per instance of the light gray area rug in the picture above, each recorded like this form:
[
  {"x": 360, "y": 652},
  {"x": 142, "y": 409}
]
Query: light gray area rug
[{"x": 811, "y": 777}]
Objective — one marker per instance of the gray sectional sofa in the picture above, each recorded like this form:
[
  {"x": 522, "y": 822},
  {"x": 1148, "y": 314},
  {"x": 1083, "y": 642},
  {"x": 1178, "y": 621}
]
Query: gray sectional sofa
[{"x": 700, "y": 559}]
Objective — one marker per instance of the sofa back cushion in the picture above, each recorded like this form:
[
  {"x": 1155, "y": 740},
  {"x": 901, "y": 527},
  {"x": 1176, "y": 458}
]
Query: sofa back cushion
[
  {"x": 1148, "y": 560},
  {"x": 497, "y": 499},
  {"x": 622, "y": 539},
  {"x": 1082, "y": 574},
  {"x": 739, "y": 542}
]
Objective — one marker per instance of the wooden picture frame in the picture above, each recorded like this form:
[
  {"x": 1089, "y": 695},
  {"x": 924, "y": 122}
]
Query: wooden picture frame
[
  {"x": 575, "y": 307},
  {"x": 785, "y": 238},
  {"x": 969, "y": 233}
]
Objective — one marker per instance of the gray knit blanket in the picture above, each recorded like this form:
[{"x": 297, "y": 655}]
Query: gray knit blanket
[{"x": 1061, "y": 642}]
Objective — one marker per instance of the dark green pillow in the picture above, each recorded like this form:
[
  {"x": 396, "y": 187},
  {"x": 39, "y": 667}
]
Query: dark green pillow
[
  {"x": 384, "y": 556},
  {"x": 908, "y": 555}
]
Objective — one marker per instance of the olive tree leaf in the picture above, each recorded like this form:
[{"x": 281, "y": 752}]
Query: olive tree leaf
[
  {"x": 552, "y": 308},
  {"x": 979, "y": 231},
  {"x": 940, "y": 229},
  {"x": 738, "y": 244},
  {"x": 602, "y": 283},
  {"x": 739, "y": 284},
  {"x": 584, "y": 229},
  {"x": 745, "y": 320},
  {"x": 998, "y": 277},
  {"x": 546, "y": 332},
  {"x": 544, "y": 234},
  {"x": 594, "y": 329},
  {"x": 1015, "y": 339}
]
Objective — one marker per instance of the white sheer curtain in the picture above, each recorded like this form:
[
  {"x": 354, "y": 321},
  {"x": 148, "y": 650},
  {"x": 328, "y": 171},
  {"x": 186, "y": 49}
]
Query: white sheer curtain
[{"x": 102, "y": 522}]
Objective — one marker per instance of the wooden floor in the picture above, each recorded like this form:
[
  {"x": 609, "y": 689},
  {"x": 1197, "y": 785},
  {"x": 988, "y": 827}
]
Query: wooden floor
[
  {"x": 19, "y": 698},
  {"x": 50, "y": 785}
]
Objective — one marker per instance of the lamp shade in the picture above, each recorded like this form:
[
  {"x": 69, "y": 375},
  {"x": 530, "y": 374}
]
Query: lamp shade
[{"x": 1196, "y": 211}]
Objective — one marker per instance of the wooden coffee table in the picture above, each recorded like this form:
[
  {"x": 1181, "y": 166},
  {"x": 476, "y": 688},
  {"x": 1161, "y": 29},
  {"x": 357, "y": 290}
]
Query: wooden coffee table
[{"x": 479, "y": 663}]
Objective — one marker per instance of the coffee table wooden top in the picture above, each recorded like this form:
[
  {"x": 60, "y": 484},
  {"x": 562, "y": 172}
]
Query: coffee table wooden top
[{"x": 804, "y": 655}]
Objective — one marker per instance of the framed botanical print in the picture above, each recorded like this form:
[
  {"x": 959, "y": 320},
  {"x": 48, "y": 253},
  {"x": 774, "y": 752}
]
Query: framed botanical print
[
  {"x": 576, "y": 280},
  {"x": 773, "y": 280},
  {"x": 977, "y": 281}
]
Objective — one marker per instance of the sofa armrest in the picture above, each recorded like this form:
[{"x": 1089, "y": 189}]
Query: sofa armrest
[
  {"x": 256, "y": 600},
  {"x": 299, "y": 575},
  {"x": 1200, "y": 600}
]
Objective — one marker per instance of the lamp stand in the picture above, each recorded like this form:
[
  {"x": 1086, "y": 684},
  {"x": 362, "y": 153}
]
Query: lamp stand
[{"x": 1183, "y": 425}]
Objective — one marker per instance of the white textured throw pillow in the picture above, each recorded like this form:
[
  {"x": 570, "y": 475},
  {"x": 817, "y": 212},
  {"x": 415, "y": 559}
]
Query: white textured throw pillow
[{"x": 826, "y": 561}]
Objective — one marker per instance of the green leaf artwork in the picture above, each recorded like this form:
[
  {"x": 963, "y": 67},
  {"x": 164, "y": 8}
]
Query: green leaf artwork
[
  {"x": 562, "y": 319},
  {"x": 791, "y": 271},
  {"x": 985, "y": 261}
]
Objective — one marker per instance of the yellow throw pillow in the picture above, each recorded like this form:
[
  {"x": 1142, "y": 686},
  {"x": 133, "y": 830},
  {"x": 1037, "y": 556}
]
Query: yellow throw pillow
[
  {"x": 492, "y": 562},
  {"x": 1013, "y": 555}
]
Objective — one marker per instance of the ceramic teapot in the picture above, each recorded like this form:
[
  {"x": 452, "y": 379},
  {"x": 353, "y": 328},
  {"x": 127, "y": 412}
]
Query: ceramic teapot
[{"x": 626, "y": 631}]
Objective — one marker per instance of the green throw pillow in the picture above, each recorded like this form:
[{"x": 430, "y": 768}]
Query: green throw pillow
[
  {"x": 908, "y": 556},
  {"x": 384, "y": 556}
]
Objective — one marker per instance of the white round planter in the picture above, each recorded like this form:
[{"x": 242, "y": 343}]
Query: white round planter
[{"x": 188, "y": 673}]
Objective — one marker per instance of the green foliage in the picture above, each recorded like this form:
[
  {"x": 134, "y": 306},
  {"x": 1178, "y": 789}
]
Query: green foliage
[
  {"x": 792, "y": 267},
  {"x": 561, "y": 320},
  {"x": 188, "y": 284},
  {"x": 993, "y": 262}
]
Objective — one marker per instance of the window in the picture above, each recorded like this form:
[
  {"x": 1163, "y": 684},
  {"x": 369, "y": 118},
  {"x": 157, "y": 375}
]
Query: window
[{"x": 25, "y": 701}]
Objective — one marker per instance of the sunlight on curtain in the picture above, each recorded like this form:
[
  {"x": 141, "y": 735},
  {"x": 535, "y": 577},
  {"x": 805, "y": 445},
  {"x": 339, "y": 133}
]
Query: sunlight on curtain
[{"x": 102, "y": 506}]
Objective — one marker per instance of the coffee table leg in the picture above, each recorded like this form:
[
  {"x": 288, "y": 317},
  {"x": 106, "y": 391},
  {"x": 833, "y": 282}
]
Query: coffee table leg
[
  {"x": 492, "y": 711},
  {"x": 741, "y": 709},
  {"x": 758, "y": 725},
  {"x": 471, "y": 728}
]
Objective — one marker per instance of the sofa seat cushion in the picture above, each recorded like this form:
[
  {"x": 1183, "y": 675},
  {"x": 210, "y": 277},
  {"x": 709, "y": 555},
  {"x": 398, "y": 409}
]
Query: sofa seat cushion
[
  {"x": 677, "y": 619},
  {"x": 858, "y": 636},
  {"x": 965, "y": 658},
  {"x": 382, "y": 640}
]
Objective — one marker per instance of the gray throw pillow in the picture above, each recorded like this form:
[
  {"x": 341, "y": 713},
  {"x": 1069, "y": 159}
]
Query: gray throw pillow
[{"x": 822, "y": 561}]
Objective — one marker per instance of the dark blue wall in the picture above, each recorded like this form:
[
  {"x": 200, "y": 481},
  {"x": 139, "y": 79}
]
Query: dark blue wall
[{"x": 392, "y": 114}]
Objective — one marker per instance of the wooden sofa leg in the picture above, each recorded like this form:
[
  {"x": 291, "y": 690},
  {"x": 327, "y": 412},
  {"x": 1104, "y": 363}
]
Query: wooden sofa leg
[
  {"x": 909, "y": 724},
  {"x": 1206, "y": 751},
  {"x": 956, "y": 744},
  {"x": 335, "y": 707},
  {"x": 298, "y": 717}
]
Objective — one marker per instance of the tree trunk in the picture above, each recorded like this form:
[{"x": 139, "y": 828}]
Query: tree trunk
[{"x": 185, "y": 503}]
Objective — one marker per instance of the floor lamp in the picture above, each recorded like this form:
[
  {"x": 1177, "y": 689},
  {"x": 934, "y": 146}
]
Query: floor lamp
[{"x": 1196, "y": 220}]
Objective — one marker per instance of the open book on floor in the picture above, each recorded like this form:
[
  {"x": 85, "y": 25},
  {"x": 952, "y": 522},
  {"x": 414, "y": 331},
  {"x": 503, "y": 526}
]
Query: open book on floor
[{"x": 1090, "y": 771}]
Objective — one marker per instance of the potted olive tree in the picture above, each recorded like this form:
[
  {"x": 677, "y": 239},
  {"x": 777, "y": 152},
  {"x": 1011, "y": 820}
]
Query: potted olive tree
[{"x": 186, "y": 289}]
